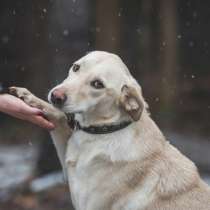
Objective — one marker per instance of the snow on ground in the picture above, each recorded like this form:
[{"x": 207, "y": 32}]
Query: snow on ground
[
  {"x": 206, "y": 178},
  {"x": 16, "y": 164}
]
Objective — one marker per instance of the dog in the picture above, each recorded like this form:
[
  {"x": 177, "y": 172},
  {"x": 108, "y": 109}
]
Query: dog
[{"x": 113, "y": 154}]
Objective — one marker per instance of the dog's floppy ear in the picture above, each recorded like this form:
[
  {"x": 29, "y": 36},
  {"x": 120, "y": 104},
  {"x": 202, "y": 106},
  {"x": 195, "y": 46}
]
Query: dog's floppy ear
[{"x": 131, "y": 102}]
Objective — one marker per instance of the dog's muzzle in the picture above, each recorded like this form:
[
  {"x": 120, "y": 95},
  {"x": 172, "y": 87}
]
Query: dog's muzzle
[{"x": 58, "y": 98}]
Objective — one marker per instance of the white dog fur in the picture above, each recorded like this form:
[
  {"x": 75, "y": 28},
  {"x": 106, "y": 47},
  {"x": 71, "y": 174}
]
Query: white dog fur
[{"x": 131, "y": 169}]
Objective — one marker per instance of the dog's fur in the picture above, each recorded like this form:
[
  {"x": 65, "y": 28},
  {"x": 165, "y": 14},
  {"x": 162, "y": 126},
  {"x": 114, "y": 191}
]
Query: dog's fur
[{"x": 131, "y": 169}]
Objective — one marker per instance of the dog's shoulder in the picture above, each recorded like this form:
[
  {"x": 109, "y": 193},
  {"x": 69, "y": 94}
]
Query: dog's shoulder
[{"x": 178, "y": 174}]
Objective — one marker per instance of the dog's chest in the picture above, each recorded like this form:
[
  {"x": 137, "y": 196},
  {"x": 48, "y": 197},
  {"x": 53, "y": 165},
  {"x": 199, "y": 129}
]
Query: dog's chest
[
  {"x": 84, "y": 169},
  {"x": 91, "y": 169}
]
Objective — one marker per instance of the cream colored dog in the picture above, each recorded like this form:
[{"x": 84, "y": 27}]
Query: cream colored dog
[{"x": 113, "y": 154}]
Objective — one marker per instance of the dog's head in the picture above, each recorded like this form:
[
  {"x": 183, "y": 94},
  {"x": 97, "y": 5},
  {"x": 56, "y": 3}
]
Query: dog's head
[{"x": 99, "y": 85}]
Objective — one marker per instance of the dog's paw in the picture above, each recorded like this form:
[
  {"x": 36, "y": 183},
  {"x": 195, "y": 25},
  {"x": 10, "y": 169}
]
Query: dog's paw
[
  {"x": 24, "y": 95},
  {"x": 50, "y": 112},
  {"x": 21, "y": 93}
]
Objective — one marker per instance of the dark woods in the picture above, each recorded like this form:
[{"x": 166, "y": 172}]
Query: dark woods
[{"x": 165, "y": 43}]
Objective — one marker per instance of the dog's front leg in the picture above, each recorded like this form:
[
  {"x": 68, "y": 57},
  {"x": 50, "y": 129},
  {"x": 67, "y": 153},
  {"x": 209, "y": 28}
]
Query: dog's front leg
[{"x": 62, "y": 131}]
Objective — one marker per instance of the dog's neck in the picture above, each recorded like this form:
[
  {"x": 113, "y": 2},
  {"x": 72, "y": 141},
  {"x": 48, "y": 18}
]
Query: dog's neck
[
  {"x": 133, "y": 142},
  {"x": 105, "y": 125},
  {"x": 109, "y": 118}
]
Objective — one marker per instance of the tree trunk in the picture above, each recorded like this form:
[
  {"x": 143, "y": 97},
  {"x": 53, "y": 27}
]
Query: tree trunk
[
  {"x": 168, "y": 53},
  {"x": 107, "y": 26}
]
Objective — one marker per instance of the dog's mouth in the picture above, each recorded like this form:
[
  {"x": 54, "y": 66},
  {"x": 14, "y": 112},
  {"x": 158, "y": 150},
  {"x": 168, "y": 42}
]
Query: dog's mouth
[
  {"x": 70, "y": 119},
  {"x": 70, "y": 116}
]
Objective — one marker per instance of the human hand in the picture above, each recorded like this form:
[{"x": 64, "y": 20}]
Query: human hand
[{"x": 17, "y": 108}]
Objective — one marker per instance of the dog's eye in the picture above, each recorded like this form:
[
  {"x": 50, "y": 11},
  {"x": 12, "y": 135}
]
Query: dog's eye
[
  {"x": 97, "y": 84},
  {"x": 75, "y": 67}
]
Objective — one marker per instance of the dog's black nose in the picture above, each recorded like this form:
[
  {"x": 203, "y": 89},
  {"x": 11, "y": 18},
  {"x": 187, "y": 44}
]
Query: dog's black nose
[{"x": 58, "y": 97}]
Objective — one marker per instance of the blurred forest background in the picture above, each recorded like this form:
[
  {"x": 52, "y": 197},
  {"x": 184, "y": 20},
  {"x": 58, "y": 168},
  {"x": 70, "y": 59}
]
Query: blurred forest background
[{"x": 166, "y": 46}]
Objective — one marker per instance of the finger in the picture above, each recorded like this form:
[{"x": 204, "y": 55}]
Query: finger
[
  {"x": 19, "y": 106},
  {"x": 35, "y": 111},
  {"x": 42, "y": 122},
  {"x": 26, "y": 109}
]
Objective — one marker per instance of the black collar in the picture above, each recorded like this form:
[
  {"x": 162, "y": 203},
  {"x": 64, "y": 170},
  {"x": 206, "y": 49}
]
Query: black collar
[{"x": 102, "y": 129}]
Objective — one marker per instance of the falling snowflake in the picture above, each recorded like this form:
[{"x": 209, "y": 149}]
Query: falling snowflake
[
  {"x": 191, "y": 44},
  {"x": 139, "y": 31},
  {"x": 113, "y": 38},
  {"x": 44, "y": 10},
  {"x": 205, "y": 44},
  {"x": 195, "y": 14},
  {"x": 22, "y": 68},
  {"x": 157, "y": 99},
  {"x": 120, "y": 12},
  {"x": 189, "y": 4},
  {"x": 179, "y": 36},
  {"x": 37, "y": 35},
  {"x": 98, "y": 29},
  {"x": 5, "y": 39},
  {"x": 66, "y": 32},
  {"x": 188, "y": 23}
]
